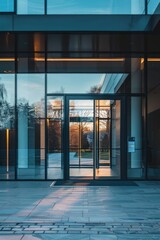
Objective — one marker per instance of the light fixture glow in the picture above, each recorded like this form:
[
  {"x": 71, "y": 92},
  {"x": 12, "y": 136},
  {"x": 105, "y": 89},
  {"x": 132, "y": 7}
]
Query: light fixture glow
[
  {"x": 7, "y": 59},
  {"x": 80, "y": 59},
  {"x": 153, "y": 59}
]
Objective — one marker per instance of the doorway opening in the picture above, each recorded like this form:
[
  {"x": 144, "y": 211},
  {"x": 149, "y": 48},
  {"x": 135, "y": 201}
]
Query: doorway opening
[
  {"x": 94, "y": 138},
  {"x": 84, "y": 136}
]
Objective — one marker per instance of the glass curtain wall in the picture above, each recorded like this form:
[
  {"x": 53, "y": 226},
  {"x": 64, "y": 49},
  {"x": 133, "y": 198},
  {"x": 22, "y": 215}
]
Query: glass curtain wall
[{"x": 120, "y": 73}]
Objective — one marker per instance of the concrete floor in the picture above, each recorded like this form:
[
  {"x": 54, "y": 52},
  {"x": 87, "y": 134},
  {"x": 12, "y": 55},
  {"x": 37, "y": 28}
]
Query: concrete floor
[{"x": 34, "y": 210}]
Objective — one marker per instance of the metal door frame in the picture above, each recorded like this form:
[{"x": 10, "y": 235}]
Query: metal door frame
[{"x": 67, "y": 98}]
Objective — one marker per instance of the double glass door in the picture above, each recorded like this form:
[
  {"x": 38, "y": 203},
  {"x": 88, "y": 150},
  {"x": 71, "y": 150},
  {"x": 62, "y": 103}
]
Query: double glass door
[{"x": 84, "y": 137}]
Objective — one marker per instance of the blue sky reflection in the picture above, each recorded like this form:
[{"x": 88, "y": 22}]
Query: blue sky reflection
[{"x": 95, "y": 6}]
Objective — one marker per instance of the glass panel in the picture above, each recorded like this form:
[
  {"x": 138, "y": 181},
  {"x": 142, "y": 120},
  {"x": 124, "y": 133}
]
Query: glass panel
[
  {"x": 7, "y": 42},
  {"x": 33, "y": 62},
  {"x": 7, "y": 63},
  {"x": 55, "y": 166},
  {"x": 131, "y": 82},
  {"x": 153, "y": 67},
  {"x": 153, "y": 6},
  {"x": 31, "y": 126},
  {"x": 135, "y": 131},
  {"x": 6, "y": 5},
  {"x": 81, "y": 138},
  {"x": 74, "y": 83},
  {"x": 30, "y": 42},
  {"x": 95, "y": 7},
  {"x": 107, "y": 139},
  {"x": 30, "y": 6},
  {"x": 7, "y": 126}
]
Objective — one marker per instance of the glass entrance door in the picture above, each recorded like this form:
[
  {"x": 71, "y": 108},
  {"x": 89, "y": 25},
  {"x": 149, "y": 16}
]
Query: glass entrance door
[
  {"x": 94, "y": 138},
  {"x": 81, "y": 134}
]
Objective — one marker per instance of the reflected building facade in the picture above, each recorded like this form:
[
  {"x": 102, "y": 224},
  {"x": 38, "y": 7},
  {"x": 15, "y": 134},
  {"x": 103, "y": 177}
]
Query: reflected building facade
[{"x": 79, "y": 90}]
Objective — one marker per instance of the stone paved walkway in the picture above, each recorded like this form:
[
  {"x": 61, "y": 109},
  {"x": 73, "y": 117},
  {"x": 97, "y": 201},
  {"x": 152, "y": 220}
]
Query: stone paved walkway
[{"x": 34, "y": 210}]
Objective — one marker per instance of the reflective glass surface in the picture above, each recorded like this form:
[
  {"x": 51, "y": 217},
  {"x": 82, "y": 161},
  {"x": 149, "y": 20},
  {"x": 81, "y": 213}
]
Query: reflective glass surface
[
  {"x": 31, "y": 126},
  {"x": 6, "y": 5},
  {"x": 153, "y": 6},
  {"x": 7, "y": 126},
  {"x": 81, "y": 126},
  {"x": 74, "y": 83},
  {"x": 30, "y": 6},
  {"x": 95, "y": 7},
  {"x": 55, "y": 120},
  {"x": 153, "y": 118}
]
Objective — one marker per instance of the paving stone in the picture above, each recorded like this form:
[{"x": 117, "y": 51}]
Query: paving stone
[
  {"x": 103, "y": 237},
  {"x": 11, "y": 237}
]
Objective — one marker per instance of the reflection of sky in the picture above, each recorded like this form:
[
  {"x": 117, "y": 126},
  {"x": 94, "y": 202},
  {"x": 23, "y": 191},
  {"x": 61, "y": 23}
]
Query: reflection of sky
[
  {"x": 6, "y": 5},
  {"x": 72, "y": 83},
  {"x": 95, "y": 6},
  {"x": 79, "y": 6},
  {"x": 30, "y": 6},
  {"x": 30, "y": 87},
  {"x": 152, "y": 5}
]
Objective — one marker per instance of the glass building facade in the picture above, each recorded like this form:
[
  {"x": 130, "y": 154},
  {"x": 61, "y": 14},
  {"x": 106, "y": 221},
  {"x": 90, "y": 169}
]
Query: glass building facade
[{"x": 81, "y": 100}]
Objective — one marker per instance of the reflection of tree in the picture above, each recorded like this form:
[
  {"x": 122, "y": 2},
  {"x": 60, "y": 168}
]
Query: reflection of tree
[
  {"x": 54, "y": 135},
  {"x": 31, "y": 111},
  {"x": 81, "y": 127},
  {"x": 54, "y": 112},
  {"x": 95, "y": 89},
  {"x": 6, "y": 111}
]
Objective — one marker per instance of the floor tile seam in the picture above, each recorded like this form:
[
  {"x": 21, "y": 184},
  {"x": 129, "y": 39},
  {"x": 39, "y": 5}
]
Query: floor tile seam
[{"x": 78, "y": 222}]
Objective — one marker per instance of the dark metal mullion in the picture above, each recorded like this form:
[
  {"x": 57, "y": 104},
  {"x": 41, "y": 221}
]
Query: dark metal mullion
[
  {"x": 15, "y": 6},
  {"x": 45, "y": 103},
  {"x": 94, "y": 139},
  {"x": 123, "y": 139},
  {"x": 146, "y": 157},
  {"x": 110, "y": 148},
  {"x": 45, "y": 7},
  {"x": 16, "y": 112},
  {"x": 146, "y": 7},
  {"x": 66, "y": 139}
]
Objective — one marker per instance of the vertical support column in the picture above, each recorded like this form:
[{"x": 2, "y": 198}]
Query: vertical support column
[
  {"x": 23, "y": 138},
  {"x": 66, "y": 139},
  {"x": 136, "y": 113}
]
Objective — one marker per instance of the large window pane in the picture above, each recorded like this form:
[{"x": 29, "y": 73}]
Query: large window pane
[
  {"x": 73, "y": 83},
  {"x": 7, "y": 42},
  {"x": 31, "y": 63},
  {"x": 30, "y": 42},
  {"x": 95, "y": 7},
  {"x": 153, "y": 118},
  {"x": 153, "y": 6},
  {"x": 7, "y": 63},
  {"x": 55, "y": 121},
  {"x": 7, "y": 126},
  {"x": 30, "y": 6},
  {"x": 6, "y": 5},
  {"x": 31, "y": 126}
]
